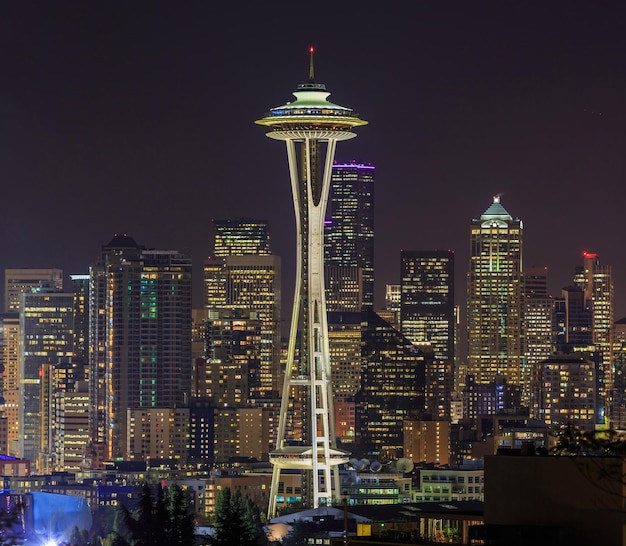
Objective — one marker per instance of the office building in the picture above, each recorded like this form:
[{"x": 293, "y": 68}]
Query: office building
[
  {"x": 17, "y": 281},
  {"x": 158, "y": 433},
  {"x": 241, "y": 237},
  {"x": 311, "y": 126},
  {"x": 427, "y": 300},
  {"x": 10, "y": 379},
  {"x": 538, "y": 323},
  {"x": 393, "y": 297},
  {"x": 427, "y": 441},
  {"x": 344, "y": 341},
  {"x": 495, "y": 291},
  {"x": 233, "y": 348},
  {"x": 349, "y": 234},
  {"x": 596, "y": 280},
  {"x": 392, "y": 387},
  {"x": 140, "y": 332},
  {"x": 344, "y": 288},
  {"x": 481, "y": 399},
  {"x": 46, "y": 337},
  {"x": 251, "y": 283},
  {"x": 567, "y": 391}
]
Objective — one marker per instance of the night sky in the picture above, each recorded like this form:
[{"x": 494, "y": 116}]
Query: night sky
[{"x": 138, "y": 117}]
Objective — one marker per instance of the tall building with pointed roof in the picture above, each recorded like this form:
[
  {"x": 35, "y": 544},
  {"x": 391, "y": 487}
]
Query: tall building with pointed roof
[{"x": 495, "y": 291}]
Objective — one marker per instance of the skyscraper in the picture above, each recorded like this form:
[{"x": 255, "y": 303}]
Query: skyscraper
[
  {"x": 140, "y": 331},
  {"x": 311, "y": 126},
  {"x": 596, "y": 280},
  {"x": 349, "y": 235},
  {"x": 538, "y": 323},
  {"x": 427, "y": 300},
  {"x": 17, "y": 281},
  {"x": 10, "y": 359},
  {"x": 241, "y": 237},
  {"x": 46, "y": 327},
  {"x": 495, "y": 291},
  {"x": 251, "y": 283},
  {"x": 392, "y": 387}
]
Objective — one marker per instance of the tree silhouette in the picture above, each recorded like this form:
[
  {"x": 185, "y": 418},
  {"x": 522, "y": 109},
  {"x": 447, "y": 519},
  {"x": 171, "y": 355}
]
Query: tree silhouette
[
  {"x": 234, "y": 520},
  {"x": 164, "y": 518}
]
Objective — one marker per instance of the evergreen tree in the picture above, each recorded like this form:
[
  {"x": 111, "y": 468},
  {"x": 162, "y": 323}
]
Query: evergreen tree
[
  {"x": 297, "y": 536},
  {"x": 233, "y": 522},
  {"x": 147, "y": 530},
  {"x": 180, "y": 515}
]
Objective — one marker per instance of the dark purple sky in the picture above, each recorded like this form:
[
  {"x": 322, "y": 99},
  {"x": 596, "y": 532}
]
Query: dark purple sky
[{"x": 138, "y": 117}]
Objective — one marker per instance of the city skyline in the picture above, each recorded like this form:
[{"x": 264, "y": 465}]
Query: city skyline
[{"x": 152, "y": 110}]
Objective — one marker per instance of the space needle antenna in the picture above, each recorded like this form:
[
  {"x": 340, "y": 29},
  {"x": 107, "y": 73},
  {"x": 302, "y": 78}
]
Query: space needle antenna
[{"x": 311, "y": 67}]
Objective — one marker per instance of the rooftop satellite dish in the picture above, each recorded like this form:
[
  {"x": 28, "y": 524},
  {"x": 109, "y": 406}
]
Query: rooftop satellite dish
[
  {"x": 404, "y": 465},
  {"x": 357, "y": 465},
  {"x": 376, "y": 466},
  {"x": 354, "y": 463}
]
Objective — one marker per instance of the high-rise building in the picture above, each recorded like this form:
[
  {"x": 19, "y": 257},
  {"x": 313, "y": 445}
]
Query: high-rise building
[
  {"x": 427, "y": 441},
  {"x": 10, "y": 379},
  {"x": 344, "y": 344},
  {"x": 495, "y": 297},
  {"x": 572, "y": 318},
  {"x": 46, "y": 329},
  {"x": 251, "y": 283},
  {"x": 344, "y": 288},
  {"x": 349, "y": 234},
  {"x": 392, "y": 387},
  {"x": 393, "y": 297},
  {"x": 64, "y": 415},
  {"x": 233, "y": 341},
  {"x": 619, "y": 375},
  {"x": 140, "y": 333},
  {"x": 566, "y": 391},
  {"x": 311, "y": 126},
  {"x": 241, "y": 237},
  {"x": 344, "y": 338},
  {"x": 538, "y": 323},
  {"x": 596, "y": 280},
  {"x": 17, "y": 281},
  {"x": 427, "y": 300},
  {"x": 158, "y": 433}
]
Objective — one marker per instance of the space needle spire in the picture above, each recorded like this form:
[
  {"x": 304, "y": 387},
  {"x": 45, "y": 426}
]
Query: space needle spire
[{"x": 311, "y": 126}]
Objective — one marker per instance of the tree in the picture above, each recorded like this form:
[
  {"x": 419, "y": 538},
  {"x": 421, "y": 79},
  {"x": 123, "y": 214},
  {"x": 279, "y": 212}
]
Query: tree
[
  {"x": 570, "y": 440},
  {"x": 298, "y": 535},
  {"x": 180, "y": 515},
  {"x": 234, "y": 521}
]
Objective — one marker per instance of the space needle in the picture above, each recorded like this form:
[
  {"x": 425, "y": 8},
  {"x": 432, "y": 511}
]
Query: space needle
[{"x": 311, "y": 126}]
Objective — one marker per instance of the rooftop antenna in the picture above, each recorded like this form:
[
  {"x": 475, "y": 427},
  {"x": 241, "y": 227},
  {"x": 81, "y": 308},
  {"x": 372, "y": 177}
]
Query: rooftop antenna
[{"x": 311, "y": 69}]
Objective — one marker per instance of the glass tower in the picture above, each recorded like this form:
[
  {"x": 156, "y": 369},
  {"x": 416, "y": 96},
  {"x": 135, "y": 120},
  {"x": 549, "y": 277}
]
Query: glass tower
[
  {"x": 349, "y": 235},
  {"x": 241, "y": 237},
  {"x": 495, "y": 291},
  {"x": 427, "y": 300}
]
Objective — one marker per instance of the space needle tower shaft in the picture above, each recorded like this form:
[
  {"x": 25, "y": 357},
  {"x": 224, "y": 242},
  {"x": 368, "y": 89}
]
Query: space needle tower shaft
[{"x": 311, "y": 126}]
